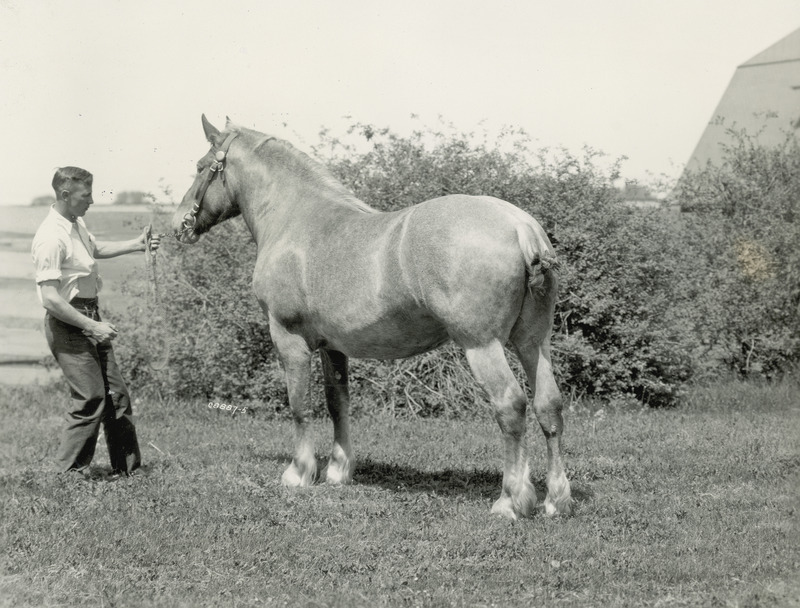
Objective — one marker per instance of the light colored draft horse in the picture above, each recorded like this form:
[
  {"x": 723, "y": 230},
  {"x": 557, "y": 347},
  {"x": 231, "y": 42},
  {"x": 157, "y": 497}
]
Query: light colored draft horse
[{"x": 334, "y": 275}]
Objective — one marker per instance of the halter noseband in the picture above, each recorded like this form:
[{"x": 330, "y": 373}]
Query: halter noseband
[{"x": 217, "y": 167}]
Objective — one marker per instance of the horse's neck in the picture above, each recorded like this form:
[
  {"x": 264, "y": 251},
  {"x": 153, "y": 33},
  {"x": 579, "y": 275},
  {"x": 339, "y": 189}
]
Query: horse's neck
[{"x": 274, "y": 210}]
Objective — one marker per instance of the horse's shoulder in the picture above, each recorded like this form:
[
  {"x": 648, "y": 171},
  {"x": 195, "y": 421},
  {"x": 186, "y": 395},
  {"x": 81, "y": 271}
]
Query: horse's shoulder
[{"x": 280, "y": 273}]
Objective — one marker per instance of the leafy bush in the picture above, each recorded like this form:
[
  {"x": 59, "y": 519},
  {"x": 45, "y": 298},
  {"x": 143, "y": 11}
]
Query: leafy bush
[
  {"x": 649, "y": 299},
  {"x": 744, "y": 217}
]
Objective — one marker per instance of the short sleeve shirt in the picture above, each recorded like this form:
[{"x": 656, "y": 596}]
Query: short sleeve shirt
[{"x": 64, "y": 251}]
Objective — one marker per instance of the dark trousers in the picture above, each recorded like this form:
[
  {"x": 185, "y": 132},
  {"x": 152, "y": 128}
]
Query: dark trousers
[{"x": 98, "y": 394}]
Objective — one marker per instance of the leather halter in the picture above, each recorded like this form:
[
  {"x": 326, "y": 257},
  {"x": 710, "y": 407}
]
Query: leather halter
[{"x": 217, "y": 167}]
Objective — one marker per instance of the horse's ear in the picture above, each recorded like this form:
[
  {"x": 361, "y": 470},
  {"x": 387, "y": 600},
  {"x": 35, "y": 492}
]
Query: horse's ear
[
  {"x": 228, "y": 122},
  {"x": 212, "y": 133}
]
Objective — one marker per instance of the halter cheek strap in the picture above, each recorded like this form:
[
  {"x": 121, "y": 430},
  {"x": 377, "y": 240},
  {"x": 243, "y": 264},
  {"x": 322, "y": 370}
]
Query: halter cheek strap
[{"x": 217, "y": 167}]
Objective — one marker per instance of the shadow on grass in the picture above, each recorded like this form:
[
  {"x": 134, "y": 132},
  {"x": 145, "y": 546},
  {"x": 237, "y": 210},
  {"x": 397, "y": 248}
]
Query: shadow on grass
[
  {"x": 473, "y": 484},
  {"x": 448, "y": 482},
  {"x": 483, "y": 482}
]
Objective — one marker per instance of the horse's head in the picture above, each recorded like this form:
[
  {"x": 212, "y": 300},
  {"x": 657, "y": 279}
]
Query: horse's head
[{"x": 211, "y": 199}]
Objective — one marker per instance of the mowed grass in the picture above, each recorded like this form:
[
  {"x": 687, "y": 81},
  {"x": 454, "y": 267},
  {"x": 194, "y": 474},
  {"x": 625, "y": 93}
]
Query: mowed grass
[{"x": 693, "y": 506}]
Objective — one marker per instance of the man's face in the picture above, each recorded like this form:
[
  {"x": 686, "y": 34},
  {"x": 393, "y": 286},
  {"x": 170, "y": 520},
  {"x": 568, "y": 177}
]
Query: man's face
[{"x": 79, "y": 198}]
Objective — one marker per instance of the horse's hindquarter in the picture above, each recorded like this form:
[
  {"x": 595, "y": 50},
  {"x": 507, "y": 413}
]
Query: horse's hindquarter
[
  {"x": 391, "y": 285},
  {"x": 469, "y": 265}
]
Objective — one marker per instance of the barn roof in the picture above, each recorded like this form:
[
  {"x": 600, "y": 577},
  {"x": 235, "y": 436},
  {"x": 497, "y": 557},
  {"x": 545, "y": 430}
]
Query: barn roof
[
  {"x": 762, "y": 98},
  {"x": 786, "y": 49}
]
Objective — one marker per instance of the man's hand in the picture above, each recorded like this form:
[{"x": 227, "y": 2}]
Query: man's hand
[
  {"x": 153, "y": 238},
  {"x": 101, "y": 332}
]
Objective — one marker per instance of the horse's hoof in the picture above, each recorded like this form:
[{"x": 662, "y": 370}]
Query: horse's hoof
[
  {"x": 558, "y": 507},
  {"x": 504, "y": 507},
  {"x": 292, "y": 478},
  {"x": 559, "y": 497},
  {"x": 338, "y": 476},
  {"x": 340, "y": 468}
]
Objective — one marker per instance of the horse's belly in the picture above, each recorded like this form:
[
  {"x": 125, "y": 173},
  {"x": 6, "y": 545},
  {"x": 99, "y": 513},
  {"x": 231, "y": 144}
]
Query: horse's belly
[{"x": 393, "y": 338}]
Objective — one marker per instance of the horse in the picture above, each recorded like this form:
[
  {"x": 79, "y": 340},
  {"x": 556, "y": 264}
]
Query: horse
[{"x": 337, "y": 277}]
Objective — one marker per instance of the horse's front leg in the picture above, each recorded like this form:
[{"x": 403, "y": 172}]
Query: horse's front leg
[
  {"x": 296, "y": 360},
  {"x": 334, "y": 369}
]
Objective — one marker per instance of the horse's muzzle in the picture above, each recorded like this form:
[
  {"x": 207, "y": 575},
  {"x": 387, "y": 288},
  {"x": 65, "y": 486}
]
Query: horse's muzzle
[
  {"x": 188, "y": 237},
  {"x": 186, "y": 234}
]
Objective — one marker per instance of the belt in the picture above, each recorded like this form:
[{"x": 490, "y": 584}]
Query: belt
[{"x": 84, "y": 302}]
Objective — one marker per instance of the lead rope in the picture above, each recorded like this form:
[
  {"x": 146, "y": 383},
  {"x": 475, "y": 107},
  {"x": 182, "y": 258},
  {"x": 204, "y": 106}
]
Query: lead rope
[{"x": 155, "y": 296}]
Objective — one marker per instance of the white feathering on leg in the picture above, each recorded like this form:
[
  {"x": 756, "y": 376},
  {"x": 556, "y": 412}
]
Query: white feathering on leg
[{"x": 340, "y": 467}]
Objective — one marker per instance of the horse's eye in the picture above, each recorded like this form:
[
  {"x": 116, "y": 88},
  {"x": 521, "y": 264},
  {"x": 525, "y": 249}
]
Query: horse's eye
[{"x": 199, "y": 169}]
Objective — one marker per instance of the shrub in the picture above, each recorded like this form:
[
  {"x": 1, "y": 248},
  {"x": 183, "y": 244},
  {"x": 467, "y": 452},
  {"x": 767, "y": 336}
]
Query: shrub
[{"x": 744, "y": 215}]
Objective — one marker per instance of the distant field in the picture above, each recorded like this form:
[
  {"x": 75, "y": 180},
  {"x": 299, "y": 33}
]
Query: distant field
[
  {"x": 22, "y": 342},
  {"x": 111, "y": 221},
  {"x": 693, "y": 506},
  {"x": 106, "y": 222}
]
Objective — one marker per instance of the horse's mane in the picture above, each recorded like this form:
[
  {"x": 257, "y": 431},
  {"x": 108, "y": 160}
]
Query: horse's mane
[{"x": 313, "y": 171}]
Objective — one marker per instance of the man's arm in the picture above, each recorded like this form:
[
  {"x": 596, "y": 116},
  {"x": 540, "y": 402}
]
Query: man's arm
[
  {"x": 57, "y": 306},
  {"x": 110, "y": 249}
]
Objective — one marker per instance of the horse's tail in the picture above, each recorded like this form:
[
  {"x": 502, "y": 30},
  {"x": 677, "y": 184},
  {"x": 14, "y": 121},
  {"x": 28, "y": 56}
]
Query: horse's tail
[{"x": 540, "y": 259}]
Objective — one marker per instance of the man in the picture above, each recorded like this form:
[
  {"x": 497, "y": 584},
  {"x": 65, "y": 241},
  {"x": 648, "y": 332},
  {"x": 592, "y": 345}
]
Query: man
[{"x": 67, "y": 282}]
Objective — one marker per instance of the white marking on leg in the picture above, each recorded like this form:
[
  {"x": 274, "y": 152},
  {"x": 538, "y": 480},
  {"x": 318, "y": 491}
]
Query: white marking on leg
[
  {"x": 302, "y": 471},
  {"x": 340, "y": 467},
  {"x": 559, "y": 496},
  {"x": 504, "y": 507}
]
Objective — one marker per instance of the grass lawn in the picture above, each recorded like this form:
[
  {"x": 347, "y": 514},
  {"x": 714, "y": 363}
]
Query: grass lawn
[{"x": 693, "y": 506}]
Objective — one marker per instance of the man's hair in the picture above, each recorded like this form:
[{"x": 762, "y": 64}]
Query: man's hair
[{"x": 66, "y": 175}]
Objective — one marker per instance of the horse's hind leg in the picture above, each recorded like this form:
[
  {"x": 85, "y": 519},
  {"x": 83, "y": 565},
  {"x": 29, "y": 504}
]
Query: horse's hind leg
[
  {"x": 531, "y": 338},
  {"x": 296, "y": 359},
  {"x": 334, "y": 369},
  {"x": 490, "y": 367}
]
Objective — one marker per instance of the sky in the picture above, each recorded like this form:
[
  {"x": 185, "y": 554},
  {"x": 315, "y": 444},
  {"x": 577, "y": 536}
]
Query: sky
[{"x": 119, "y": 87}]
